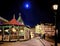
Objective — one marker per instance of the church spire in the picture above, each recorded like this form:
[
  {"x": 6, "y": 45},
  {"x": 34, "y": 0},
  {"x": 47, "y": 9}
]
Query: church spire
[
  {"x": 20, "y": 18},
  {"x": 13, "y": 16},
  {"x": 19, "y": 14}
]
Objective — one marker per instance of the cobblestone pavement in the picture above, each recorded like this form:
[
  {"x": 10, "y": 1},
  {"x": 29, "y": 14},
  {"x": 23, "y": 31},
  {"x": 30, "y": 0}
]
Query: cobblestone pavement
[{"x": 33, "y": 42}]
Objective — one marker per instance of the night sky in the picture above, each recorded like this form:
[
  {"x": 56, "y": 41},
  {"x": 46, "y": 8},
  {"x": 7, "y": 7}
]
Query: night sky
[{"x": 39, "y": 11}]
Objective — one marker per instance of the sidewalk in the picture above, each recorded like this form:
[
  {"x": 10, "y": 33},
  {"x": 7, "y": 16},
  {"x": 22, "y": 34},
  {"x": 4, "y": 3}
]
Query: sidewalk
[
  {"x": 52, "y": 42},
  {"x": 45, "y": 42}
]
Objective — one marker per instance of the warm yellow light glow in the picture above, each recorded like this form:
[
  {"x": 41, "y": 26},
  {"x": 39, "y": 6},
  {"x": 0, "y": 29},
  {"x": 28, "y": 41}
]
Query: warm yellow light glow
[
  {"x": 55, "y": 6},
  {"x": 6, "y": 30},
  {"x": 13, "y": 29},
  {"x": 37, "y": 29},
  {"x": 40, "y": 29},
  {"x": 38, "y": 26},
  {"x": 21, "y": 30},
  {"x": 32, "y": 35},
  {"x": 0, "y": 30}
]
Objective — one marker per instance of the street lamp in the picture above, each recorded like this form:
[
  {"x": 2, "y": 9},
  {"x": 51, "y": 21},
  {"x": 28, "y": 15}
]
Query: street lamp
[{"x": 55, "y": 8}]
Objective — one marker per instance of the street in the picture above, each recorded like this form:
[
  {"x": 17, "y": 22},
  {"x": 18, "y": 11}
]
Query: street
[{"x": 33, "y": 42}]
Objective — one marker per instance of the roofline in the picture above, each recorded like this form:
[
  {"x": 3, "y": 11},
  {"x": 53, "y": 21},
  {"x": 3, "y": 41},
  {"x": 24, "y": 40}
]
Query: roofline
[{"x": 1, "y": 18}]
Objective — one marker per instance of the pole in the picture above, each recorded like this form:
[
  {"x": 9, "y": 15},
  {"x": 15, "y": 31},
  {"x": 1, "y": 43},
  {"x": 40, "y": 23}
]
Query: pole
[{"x": 55, "y": 30}]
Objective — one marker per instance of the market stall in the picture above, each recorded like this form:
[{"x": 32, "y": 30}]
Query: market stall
[{"x": 15, "y": 29}]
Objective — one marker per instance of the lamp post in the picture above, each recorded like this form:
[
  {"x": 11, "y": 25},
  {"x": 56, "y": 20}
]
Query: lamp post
[{"x": 55, "y": 8}]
